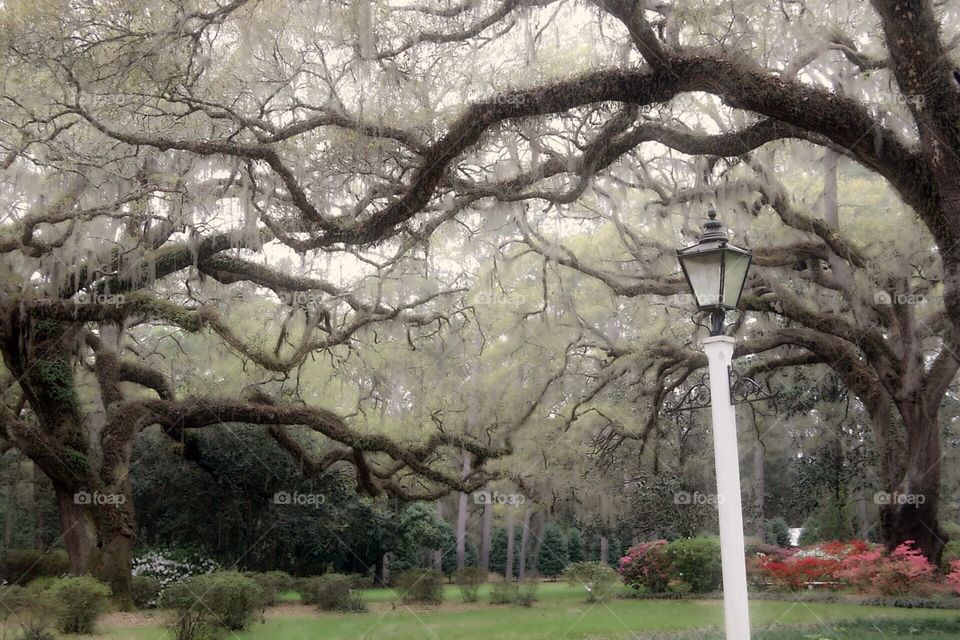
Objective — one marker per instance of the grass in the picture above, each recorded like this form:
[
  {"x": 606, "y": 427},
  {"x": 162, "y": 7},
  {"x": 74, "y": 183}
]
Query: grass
[{"x": 562, "y": 614}]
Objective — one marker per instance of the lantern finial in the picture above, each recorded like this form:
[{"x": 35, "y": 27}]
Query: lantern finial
[{"x": 712, "y": 228}]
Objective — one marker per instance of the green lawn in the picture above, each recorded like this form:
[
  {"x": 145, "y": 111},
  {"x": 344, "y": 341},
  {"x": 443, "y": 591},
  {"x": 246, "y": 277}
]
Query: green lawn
[{"x": 561, "y": 614}]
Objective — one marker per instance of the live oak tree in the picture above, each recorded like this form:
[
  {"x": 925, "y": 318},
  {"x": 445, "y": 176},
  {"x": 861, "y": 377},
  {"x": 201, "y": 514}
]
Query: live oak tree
[{"x": 148, "y": 147}]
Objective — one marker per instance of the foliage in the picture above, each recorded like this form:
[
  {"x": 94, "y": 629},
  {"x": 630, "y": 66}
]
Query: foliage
[
  {"x": 330, "y": 592},
  {"x": 170, "y": 565},
  {"x": 21, "y": 566},
  {"x": 598, "y": 579},
  {"x": 696, "y": 562},
  {"x": 777, "y": 532},
  {"x": 272, "y": 584},
  {"x": 78, "y": 600},
  {"x": 504, "y": 592},
  {"x": 189, "y": 617},
  {"x": 553, "y": 558},
  {"x": 423, "y": 586},
  {"x": 575, "y": 549},
  {"x": 646, "y": 566},
  {"x": 953, "y": 578},
  {"x": 232, "y": 598},
  {"x": 498, "y": 551},
  {"x": 145, "y": 591},
  {"x": 469, "y": 580},
  {"x": 904, "y": 570},
  {"x": 32, "y": 608}
]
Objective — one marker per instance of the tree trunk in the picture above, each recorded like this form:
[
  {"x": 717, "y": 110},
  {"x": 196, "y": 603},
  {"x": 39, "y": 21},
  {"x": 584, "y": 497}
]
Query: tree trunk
[
  {"x": 604, "y": 549},
  {"x": 486, "y": 533},
  {"x": 462, "y": 517},
  {"x": 911, "y": 513},
  {"x": 79, "y": 529},
  {"x": 759, "y": 490},
  {"x": 379, "y": 570},
  {"x": 511, "y": 534},
  {"x": 524, "y": 544}
]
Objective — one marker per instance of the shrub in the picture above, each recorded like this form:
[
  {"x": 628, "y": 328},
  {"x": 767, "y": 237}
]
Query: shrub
[
  {"x": 597, "y": 578},
  {"x": 794, "y": 573},
  {"x": 904, "y": 570},
  {"x": 953, "y": 578},
  {"x": 78, "y": 602},
  {"x": 191, "y": 620},
  {"x": 646, "y": 566},
  {"x": 145, "y": 590},
  {"x": 527, "y": 594},
  {"x": 469, "y": 580},
  {"x": 32, "y": 608},
  {"x": 504, "y": 592},
  {"x": 272, "y": 584},
  {"x": 232, "y": 598},
  {"x": 776, "y": 532},
  {"x": 172, "y": 565},
  {"x": 330, "y": 592},
  {"x": 696, "y": 562},
  {"x": 421, "y": 585},
  {"x": 21, "y": 566}
]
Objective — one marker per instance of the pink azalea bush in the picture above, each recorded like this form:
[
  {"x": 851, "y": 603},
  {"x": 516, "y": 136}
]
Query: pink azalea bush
[
  {"x": 646, "y": 566},
  {"x": 904, "y": 570},
  {"x": 953, "y": 578}
]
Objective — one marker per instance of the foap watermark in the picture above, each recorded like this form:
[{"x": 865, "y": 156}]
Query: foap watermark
[
  {"x": 94, "y": 297},
  {"x": 897, "y": 498},
  {"x": 486, "y": 497},
  {"x": 515, "y": 99},
  {"x": 685, "y": 497},
  {"x": 903, "y": 100},
  {"x": 300, "y": 297},
  {"x": 99, "y": 499},
  {"x": 504, "y": 299},
  {"x": 297, "y": 499},
  {"x": 884, "y": 297}
]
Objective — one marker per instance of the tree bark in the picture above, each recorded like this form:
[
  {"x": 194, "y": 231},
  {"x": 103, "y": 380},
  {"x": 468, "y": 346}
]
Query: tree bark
[
  {"x": 511, "y": 534},
  {"x": 911, "y": 514},
  {"x": 462, "y": 513},
  {"x": 486, "y": 534},
  {"x": 524, "y": 544},
  {"x": 604, "y": 549},
  {"x": 759, "y": 490}
]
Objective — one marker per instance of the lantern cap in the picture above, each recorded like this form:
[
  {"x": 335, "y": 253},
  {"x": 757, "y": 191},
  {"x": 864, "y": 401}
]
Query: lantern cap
[{"x": 713, "y": 228}]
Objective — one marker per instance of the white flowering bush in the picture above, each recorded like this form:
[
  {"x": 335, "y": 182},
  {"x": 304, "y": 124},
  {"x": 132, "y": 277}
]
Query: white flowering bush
[{"x": 169, "y": 566}]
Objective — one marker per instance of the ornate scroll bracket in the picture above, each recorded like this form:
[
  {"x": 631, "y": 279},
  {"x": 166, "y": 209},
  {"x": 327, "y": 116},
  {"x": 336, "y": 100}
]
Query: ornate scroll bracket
[{"x": 742, "y": 390}]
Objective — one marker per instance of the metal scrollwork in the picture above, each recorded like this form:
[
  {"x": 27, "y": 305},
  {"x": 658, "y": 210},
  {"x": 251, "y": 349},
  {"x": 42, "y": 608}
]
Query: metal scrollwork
[{"x": 697, "y": 396}]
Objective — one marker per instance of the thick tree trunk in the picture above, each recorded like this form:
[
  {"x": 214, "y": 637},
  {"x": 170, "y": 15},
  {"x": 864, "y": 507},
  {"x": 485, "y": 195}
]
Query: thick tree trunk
[
  {"x": 911, "y": 513},
  {"x": 604, "y": 549},
  {"x": 78, "y": 527}
]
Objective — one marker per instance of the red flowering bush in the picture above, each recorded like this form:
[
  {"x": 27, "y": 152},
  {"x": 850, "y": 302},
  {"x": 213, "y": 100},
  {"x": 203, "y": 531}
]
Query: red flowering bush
[
  {"x": 793, "y": 569},
  {"x": 796, "y": 572},
  {"x": 904, "y": 570},
  {"x": 953, "y": 578},
  {"x": 646, "y": 566}
]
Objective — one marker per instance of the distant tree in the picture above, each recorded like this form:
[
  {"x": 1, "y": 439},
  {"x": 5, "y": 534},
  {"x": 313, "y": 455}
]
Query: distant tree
[
  {"x": 553, "y": 557},
  {"x": 575, "y": 550},
  {"x": 498, "y": 552},
  {"x": 777, "y": 532}
]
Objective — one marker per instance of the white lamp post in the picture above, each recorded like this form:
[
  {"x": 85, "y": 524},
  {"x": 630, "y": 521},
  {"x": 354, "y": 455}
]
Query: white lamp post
[{"x": 716, "y": 272}]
